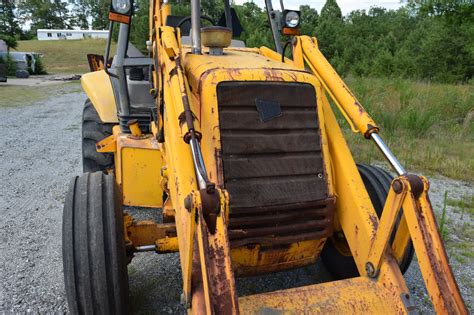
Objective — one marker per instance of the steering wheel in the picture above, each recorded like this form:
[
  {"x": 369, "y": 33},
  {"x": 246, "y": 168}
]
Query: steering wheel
[{"x": 188, "y": 19}]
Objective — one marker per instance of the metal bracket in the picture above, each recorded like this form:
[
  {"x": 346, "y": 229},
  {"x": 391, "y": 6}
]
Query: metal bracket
[
  {"x": 395, "y": 198},
  {"x": 107, "y": 145},
  {"x": 140, "y": 61}
]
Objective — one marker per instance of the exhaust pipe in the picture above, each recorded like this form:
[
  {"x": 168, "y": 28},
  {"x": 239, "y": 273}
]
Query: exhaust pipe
[{"x": 196, "y": 26}]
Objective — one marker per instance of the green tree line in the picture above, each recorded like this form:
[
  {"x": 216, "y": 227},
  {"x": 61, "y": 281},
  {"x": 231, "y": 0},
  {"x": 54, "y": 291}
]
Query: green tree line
[{"x": 423, "y": 39}]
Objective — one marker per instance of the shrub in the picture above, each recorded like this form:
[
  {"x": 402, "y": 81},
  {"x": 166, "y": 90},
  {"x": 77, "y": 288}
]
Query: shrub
[
  {"x": 39, "y": 66},
  {"x": 11, "y": 66}
]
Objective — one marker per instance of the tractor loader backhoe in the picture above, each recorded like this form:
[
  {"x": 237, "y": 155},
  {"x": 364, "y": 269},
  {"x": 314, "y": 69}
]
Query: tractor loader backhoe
[{"x": 240, "y": 149}]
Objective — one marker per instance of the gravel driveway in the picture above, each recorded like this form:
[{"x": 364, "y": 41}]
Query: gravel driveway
[{"x": 40, "y": 151}]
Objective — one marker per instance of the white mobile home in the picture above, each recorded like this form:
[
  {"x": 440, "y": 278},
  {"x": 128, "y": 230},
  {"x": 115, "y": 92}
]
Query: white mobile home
[{"x": 44, "y": 34}]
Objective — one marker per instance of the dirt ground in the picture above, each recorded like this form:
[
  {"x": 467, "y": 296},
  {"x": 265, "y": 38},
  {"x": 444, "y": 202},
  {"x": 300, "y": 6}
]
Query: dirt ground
[
  {"x": 40, "y": 152},
  {"x": 40, "y": 80}
]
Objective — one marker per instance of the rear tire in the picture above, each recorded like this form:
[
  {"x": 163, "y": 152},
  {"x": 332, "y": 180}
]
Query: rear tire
[
  {"x": 93, "y": 131},
  {"x": 95, "y": 270},
  {"x": 377, "y": 181}
]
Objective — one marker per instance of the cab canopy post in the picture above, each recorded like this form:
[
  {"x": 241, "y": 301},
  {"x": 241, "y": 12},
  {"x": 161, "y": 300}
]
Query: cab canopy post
[
  {"x": 272, "y": 17},
  {"x": 228, "y": 14}
]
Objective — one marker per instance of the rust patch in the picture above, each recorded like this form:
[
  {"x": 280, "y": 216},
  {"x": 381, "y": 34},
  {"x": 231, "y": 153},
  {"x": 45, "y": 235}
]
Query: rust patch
[
  {"x": 375, "y": 224},
  {"x": 293, "y": 76},
  {"x": 272, "y": 75},
  {"x": 182, "y": 119},
  {"x": 220, "y": 173},
  {"x": 204, "y": 77},
  {"x": 441, "y": 272},
  {"x": 221, "y": 284},
  {"x": 233, "y": 73},
  {"x": 416, "y": 184},
  {"x": 359, "y": 107},
  {"x": 210, "y": 208}
]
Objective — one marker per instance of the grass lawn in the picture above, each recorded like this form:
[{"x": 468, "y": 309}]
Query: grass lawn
[
  {"x": 65, "y": 56},
  {"x": 25, "y": 95},
  {"x": 429, "y": 127}
]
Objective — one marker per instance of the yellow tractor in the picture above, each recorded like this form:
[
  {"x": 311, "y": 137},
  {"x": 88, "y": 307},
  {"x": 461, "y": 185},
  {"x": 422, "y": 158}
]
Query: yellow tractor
[{"x": 238, "y": 149}]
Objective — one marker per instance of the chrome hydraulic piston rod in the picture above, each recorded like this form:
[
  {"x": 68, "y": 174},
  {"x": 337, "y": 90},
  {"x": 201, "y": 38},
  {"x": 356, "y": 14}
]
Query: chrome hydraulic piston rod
[{"x": 388, "y": 154}]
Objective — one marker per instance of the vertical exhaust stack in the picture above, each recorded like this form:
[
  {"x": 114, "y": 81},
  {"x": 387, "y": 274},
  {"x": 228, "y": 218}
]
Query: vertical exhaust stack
[{"x": 196, "y": 26}]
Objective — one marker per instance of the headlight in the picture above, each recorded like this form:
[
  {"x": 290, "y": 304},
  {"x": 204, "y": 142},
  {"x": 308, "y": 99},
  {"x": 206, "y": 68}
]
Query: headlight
[
  {"x": 121, "y": 11},
  {"x": 291, "y": 18},
  {"x": 121, "y": 6}
]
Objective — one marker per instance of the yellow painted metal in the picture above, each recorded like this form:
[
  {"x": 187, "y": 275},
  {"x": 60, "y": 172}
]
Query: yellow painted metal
[
  {"x": 148, "y": 232},
  {"x": 98, "y": 88},
  {"x": 138, "y": 170},
  {"x": 434, "y": 265},
  {"x": 167, "y": 245},
  {"x": 186, "y": 230},
  {"x": 247, "y": 68},
  {"x": 237, "y": 64},
  {"x": 402, "y": 240},
  {"x": 135, "y": 129},
  {"x": 181, "y": 175},
  {"x": 165, "y": 11},
  {"x": 170, "y": 45},
  {"x": 354, "y": 209},
  {"x": 386, "y": 225},
  {"x": 215, "y": 260},
  {"x": 269, "y": 53},
  {"x": 298, "y": 56},
  {"x": 107, "y": 145},
  {"x": 143, "y": 233},
  {"x": 255, "y": 260},
  {"x": 141, "y": 177},
  {"x": 350, "y": 107},
  {"x": 352, "y": 296}
]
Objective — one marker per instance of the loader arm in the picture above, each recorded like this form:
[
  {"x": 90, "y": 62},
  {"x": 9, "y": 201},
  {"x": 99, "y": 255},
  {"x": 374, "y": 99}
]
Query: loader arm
[
  {"x": 407, "y": 191},
  {"x": 201, "y": 208}
]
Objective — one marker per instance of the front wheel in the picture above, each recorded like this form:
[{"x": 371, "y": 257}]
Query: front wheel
[
  {"x": 95, "y": 270},
  {"x": 336, "y": 254}
]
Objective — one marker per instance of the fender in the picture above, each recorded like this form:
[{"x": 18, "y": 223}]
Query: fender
[{"x": 98, "y": 89}]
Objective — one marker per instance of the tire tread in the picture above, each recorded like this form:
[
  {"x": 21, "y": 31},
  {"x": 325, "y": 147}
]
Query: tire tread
[
  {"x": 93, "y": 131},
  {"x": 377, "y": 181},
  {"x": 95, "y": 270}
]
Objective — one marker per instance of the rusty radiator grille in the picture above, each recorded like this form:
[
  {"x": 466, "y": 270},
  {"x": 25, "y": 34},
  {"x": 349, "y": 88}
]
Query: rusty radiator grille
[{"x": 272, "y": 163}]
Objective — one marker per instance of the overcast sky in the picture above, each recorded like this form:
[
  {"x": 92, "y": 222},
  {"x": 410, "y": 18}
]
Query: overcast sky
[{"x": 345, "y": 5}]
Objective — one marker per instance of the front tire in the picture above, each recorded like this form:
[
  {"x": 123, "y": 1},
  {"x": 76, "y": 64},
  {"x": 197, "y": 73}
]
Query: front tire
[
  {"x": 95, "y": 270},
  {"x": 336, "y": 255}
]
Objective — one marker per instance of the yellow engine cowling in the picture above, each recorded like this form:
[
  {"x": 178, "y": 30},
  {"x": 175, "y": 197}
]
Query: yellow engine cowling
[{"x": 277, "y": 221}]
